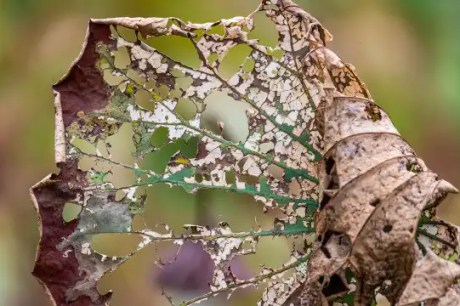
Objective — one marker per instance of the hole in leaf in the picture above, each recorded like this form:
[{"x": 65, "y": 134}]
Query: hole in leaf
[
  {"x": 294, "y": 188},
  {"x": 335, "y": 286},
  {"x": 235, "y": 123},
  {"x": 349, "y": 275},
  {"x": 324, "y": 201},
  {"x": 169, "y": 205},
  {"x": 138, "y": 223},
  {"x": 348, "y": 299},
  {"x": 190, "y": 147},
  {"x": 198, "y": 178},
  {"x": 195, "y": 275},
  {"x": 119, "y": 195},
  {"x": 250, "y": 179},
  {"x": 382, "y": 300},
  {"x": 276, "y": 171},
  {"x": 122, "y": 58},
  {"x": 115, "y": 244},
  {"x": 113, "y": 78},
  {"x": 326, "y": 252},
  {"x": 186, "y": 109},
  {"x": 387, "y": 228},
  {"x": 70, "y": 211},
  {"x": 217, "y": 29},
  {"x": 230, "y": 177},
  {"x": 144, "y": 100},
  {"x": 331, "y": 171},
  {"x": 264, "y": 31},
  {"x": 277, "y": 248},
  {"x": 321, "y": 279},
  {"x": 330, "y": 163},
  {"x": 375, "y": 202},
  {"x": 239, "y": 269},
  {"x": 177, "y": 48},
  {"x": 137, "y": 77},
  {"x": 86, "y": 163},
  {"x": 158, "y": 160},
  {"x": 121, "y": 144},
  {"x": 125, "y": 33},
  {"x": 212, "y": 58},
  {"x": 84, "y": 146},
  {"x": 121, "y": 177},
  {"x": 206, "y": 177},
  {"x": 232, "y": 61},
  {"x": 159, "y": 137},
  {"x": 324, "y": 242},
  {"x": 248, "y": 65}
]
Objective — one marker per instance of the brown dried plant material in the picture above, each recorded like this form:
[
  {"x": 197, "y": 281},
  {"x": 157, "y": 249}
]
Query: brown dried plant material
[
  {"x": 374, "y": 191},
  {"x": 318, "y": 150}
]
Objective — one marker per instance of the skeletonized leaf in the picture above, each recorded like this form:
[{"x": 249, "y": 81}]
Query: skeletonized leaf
[
  {"x": 129, "y": 116},
  {"x": 121, "y": 106}
]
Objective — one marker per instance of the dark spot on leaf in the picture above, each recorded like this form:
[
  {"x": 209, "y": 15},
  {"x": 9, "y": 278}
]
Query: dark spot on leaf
[
  {"x": 373, "y": 111},
  {"x": 413, "y": 166},
  {"x": 326, "y": 252},
  {"x": 375, "y": 202}
]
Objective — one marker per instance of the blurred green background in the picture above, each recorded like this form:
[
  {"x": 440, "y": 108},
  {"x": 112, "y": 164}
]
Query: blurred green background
[{"x": 408, "y": 52}]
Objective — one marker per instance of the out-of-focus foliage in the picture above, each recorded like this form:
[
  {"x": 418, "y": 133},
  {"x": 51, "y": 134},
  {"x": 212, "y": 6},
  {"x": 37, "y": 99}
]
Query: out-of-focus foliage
[{"x": 32, "y": 55}]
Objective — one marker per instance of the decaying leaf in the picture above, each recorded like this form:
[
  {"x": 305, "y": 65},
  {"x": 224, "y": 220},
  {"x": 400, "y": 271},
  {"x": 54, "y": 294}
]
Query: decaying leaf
[
  {"x": 318, "y": 150},
  {"x": 374, "y": 191}
]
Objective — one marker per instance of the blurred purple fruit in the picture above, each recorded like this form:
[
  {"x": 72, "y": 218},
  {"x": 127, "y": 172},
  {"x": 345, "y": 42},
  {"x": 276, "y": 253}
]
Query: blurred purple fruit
[{"x": 191, "y": 270}]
